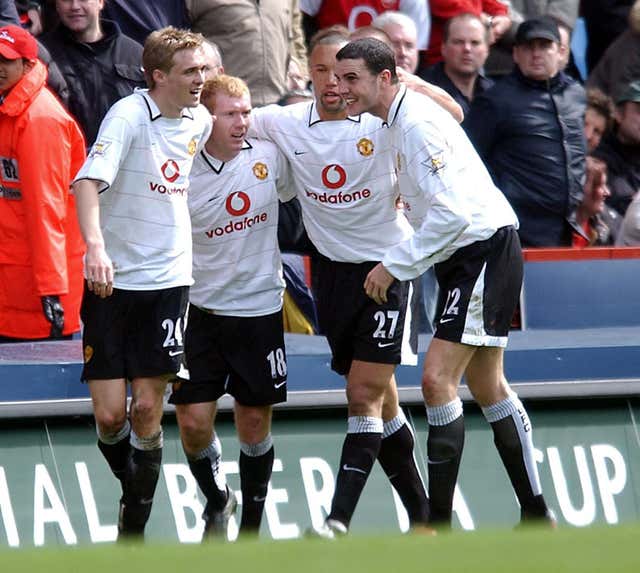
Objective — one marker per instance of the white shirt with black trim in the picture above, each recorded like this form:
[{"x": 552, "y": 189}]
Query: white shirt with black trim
[
  {"x": 449, "y": 196},
  {"x": 344, "y": 177},
  {"x": 142, "y": 161},
  {"x": 237, "y": 268}
]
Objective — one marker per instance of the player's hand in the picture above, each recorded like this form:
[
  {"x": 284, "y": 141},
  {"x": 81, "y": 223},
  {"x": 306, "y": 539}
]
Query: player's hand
[
  {"x": 54, "y": 313},
  {"x": 377, "y": 283},
  {"x": 99, "y": 269}
]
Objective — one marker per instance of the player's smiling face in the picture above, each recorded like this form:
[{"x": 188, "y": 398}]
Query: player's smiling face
[
  {"x": 358, "y": 86},
  {"x": 185, "y": 79},
  {"x": 322, "y": 64},
  {"x": 233, "y": 115}
]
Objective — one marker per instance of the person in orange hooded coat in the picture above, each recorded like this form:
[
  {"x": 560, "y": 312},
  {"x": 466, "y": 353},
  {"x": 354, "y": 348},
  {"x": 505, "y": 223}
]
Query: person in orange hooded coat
[{"x": 41, "y": 249}]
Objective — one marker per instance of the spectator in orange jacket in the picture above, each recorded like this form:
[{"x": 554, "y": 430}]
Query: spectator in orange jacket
[{"x": 41, "y": 149}]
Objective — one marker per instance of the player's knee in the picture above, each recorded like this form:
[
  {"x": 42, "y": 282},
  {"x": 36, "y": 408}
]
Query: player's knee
[
  {"x": 145, "y": 409},
  {"x": 110, "y": 423},
  {"x": 436, "y": 389},
  {"x": 364, "y": 400},
  {"x": 253, "y": 424},
  {"x": 194, "y": 435}
]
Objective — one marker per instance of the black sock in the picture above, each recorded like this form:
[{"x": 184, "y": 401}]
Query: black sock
[
  {"x": 143, "y": 471},
  {"x": 507, "y": 441},
  {"x": 255, "y": 473},
  {"x": 359, "y": 453},
  {"x": 398, "y": 462},
  {"x": 444, "y": 451},
  {"x": 202, "y": 470},
  {"x": 512, "y": 436},
  {"x": 117, "y": 456}
]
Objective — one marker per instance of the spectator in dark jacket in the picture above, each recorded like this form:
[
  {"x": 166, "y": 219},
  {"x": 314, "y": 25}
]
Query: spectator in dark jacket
[
  {"x": 528, "y": 128},
  {"x": 620, "y": 149},
  {"x": 465, "y": 47},
  {"x": 99, "y": 63}
]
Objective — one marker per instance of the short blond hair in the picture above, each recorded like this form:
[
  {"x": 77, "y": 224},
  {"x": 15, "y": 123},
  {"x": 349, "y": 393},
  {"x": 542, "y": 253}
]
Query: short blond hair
[
  {"x": 228, "y": 85},
  {"x": 160, "y": 47}
]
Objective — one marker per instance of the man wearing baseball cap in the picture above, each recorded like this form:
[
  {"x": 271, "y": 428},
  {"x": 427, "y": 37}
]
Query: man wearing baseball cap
[
  {"x": 41, "y": 149},
  {"x": 528, "y": 129}
]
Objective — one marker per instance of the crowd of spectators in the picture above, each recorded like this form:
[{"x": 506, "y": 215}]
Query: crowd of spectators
[{"x": 564, "y": 147}]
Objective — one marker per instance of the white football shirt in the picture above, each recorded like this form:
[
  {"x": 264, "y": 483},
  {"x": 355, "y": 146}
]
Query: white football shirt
[
  {"x": 448, "y": 194},
  {"x": 142, "y": 161},
  {"x": 237, "y": 268},
  {"x": 344, "y": 178}
]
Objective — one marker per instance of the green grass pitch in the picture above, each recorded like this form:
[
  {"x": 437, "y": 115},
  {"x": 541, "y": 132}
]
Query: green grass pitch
[{"x": 597, "y": 550}]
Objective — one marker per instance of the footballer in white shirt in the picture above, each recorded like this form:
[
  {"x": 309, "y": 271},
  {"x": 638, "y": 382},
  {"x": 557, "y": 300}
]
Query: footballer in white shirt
[
  {"x": 466, "y": 228},
  {"x": 132, "y": 208},
  {"x": 234, "y": 341},
  {"x": 344, "y": 172}
]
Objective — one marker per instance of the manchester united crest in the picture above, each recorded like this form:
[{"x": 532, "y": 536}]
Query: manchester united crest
[
  {"x": 261, "y": 171},
  {"x": 365, "y": 147},
  {"x": 88, "y": 353},
  {"x": 193, "y": 145}
]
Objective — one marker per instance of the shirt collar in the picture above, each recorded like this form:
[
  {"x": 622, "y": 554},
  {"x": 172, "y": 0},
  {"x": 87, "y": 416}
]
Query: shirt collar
[
  {"x": 394, "y": 109},
  {"x": 217, "y": 165},
  {"x": 154, "y": 110},
  {"x": 314, "y": 117}
]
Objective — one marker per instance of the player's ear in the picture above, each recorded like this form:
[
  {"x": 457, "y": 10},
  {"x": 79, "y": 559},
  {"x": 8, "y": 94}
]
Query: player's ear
[{"x": 159, "y": 77}]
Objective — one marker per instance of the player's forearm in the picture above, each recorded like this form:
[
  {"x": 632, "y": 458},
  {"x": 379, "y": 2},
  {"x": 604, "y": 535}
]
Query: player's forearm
[{"x": 88, "y": 209}]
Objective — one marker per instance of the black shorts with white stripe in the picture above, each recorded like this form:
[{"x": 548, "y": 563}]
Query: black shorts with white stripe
[{"x": 479, "y": 290}]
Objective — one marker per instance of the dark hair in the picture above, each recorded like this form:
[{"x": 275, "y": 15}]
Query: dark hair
[
  {"x": 601, "y": 103},
  {"x": 377, "y": 56}
]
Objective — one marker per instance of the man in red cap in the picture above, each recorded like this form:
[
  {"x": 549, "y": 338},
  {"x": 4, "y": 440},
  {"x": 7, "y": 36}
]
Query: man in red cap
[{"x": 41, "y": 149}]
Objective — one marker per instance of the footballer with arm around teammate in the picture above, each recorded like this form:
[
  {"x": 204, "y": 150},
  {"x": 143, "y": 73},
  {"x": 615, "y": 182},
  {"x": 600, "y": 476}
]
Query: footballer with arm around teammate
[
  {"x": 344, "y": 175},
  {"x": 466, "y": 228},
  {"x": 132, "y": 208}
]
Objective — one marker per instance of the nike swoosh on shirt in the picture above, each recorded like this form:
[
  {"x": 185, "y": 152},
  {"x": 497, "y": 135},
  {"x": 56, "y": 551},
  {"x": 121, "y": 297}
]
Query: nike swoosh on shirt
[
  {"x": 299, "y": 152},
  {"x": 175, "y": 352},
  {"x": 445, "y": 320},
  {"x": 276, "y": 386},
  {"x": 384, "y": 344}
]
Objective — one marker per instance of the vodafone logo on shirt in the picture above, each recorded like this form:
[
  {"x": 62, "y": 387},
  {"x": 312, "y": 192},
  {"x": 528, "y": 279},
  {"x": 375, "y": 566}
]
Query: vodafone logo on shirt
[
  {"x": 334, "y": 176},
  {"x": 170, "y": 170},
  {"x": 238, "y": 203}
]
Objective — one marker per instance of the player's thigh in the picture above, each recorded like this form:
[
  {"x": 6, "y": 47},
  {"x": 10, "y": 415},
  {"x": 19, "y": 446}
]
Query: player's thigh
[
  {"x": 367, "y": 383},
  {"x": 253, "y": 423},
  {"x": 444, "y": 365},
  {"x": 109, "y": 400},
  {"x": 484, "y": 376}
]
